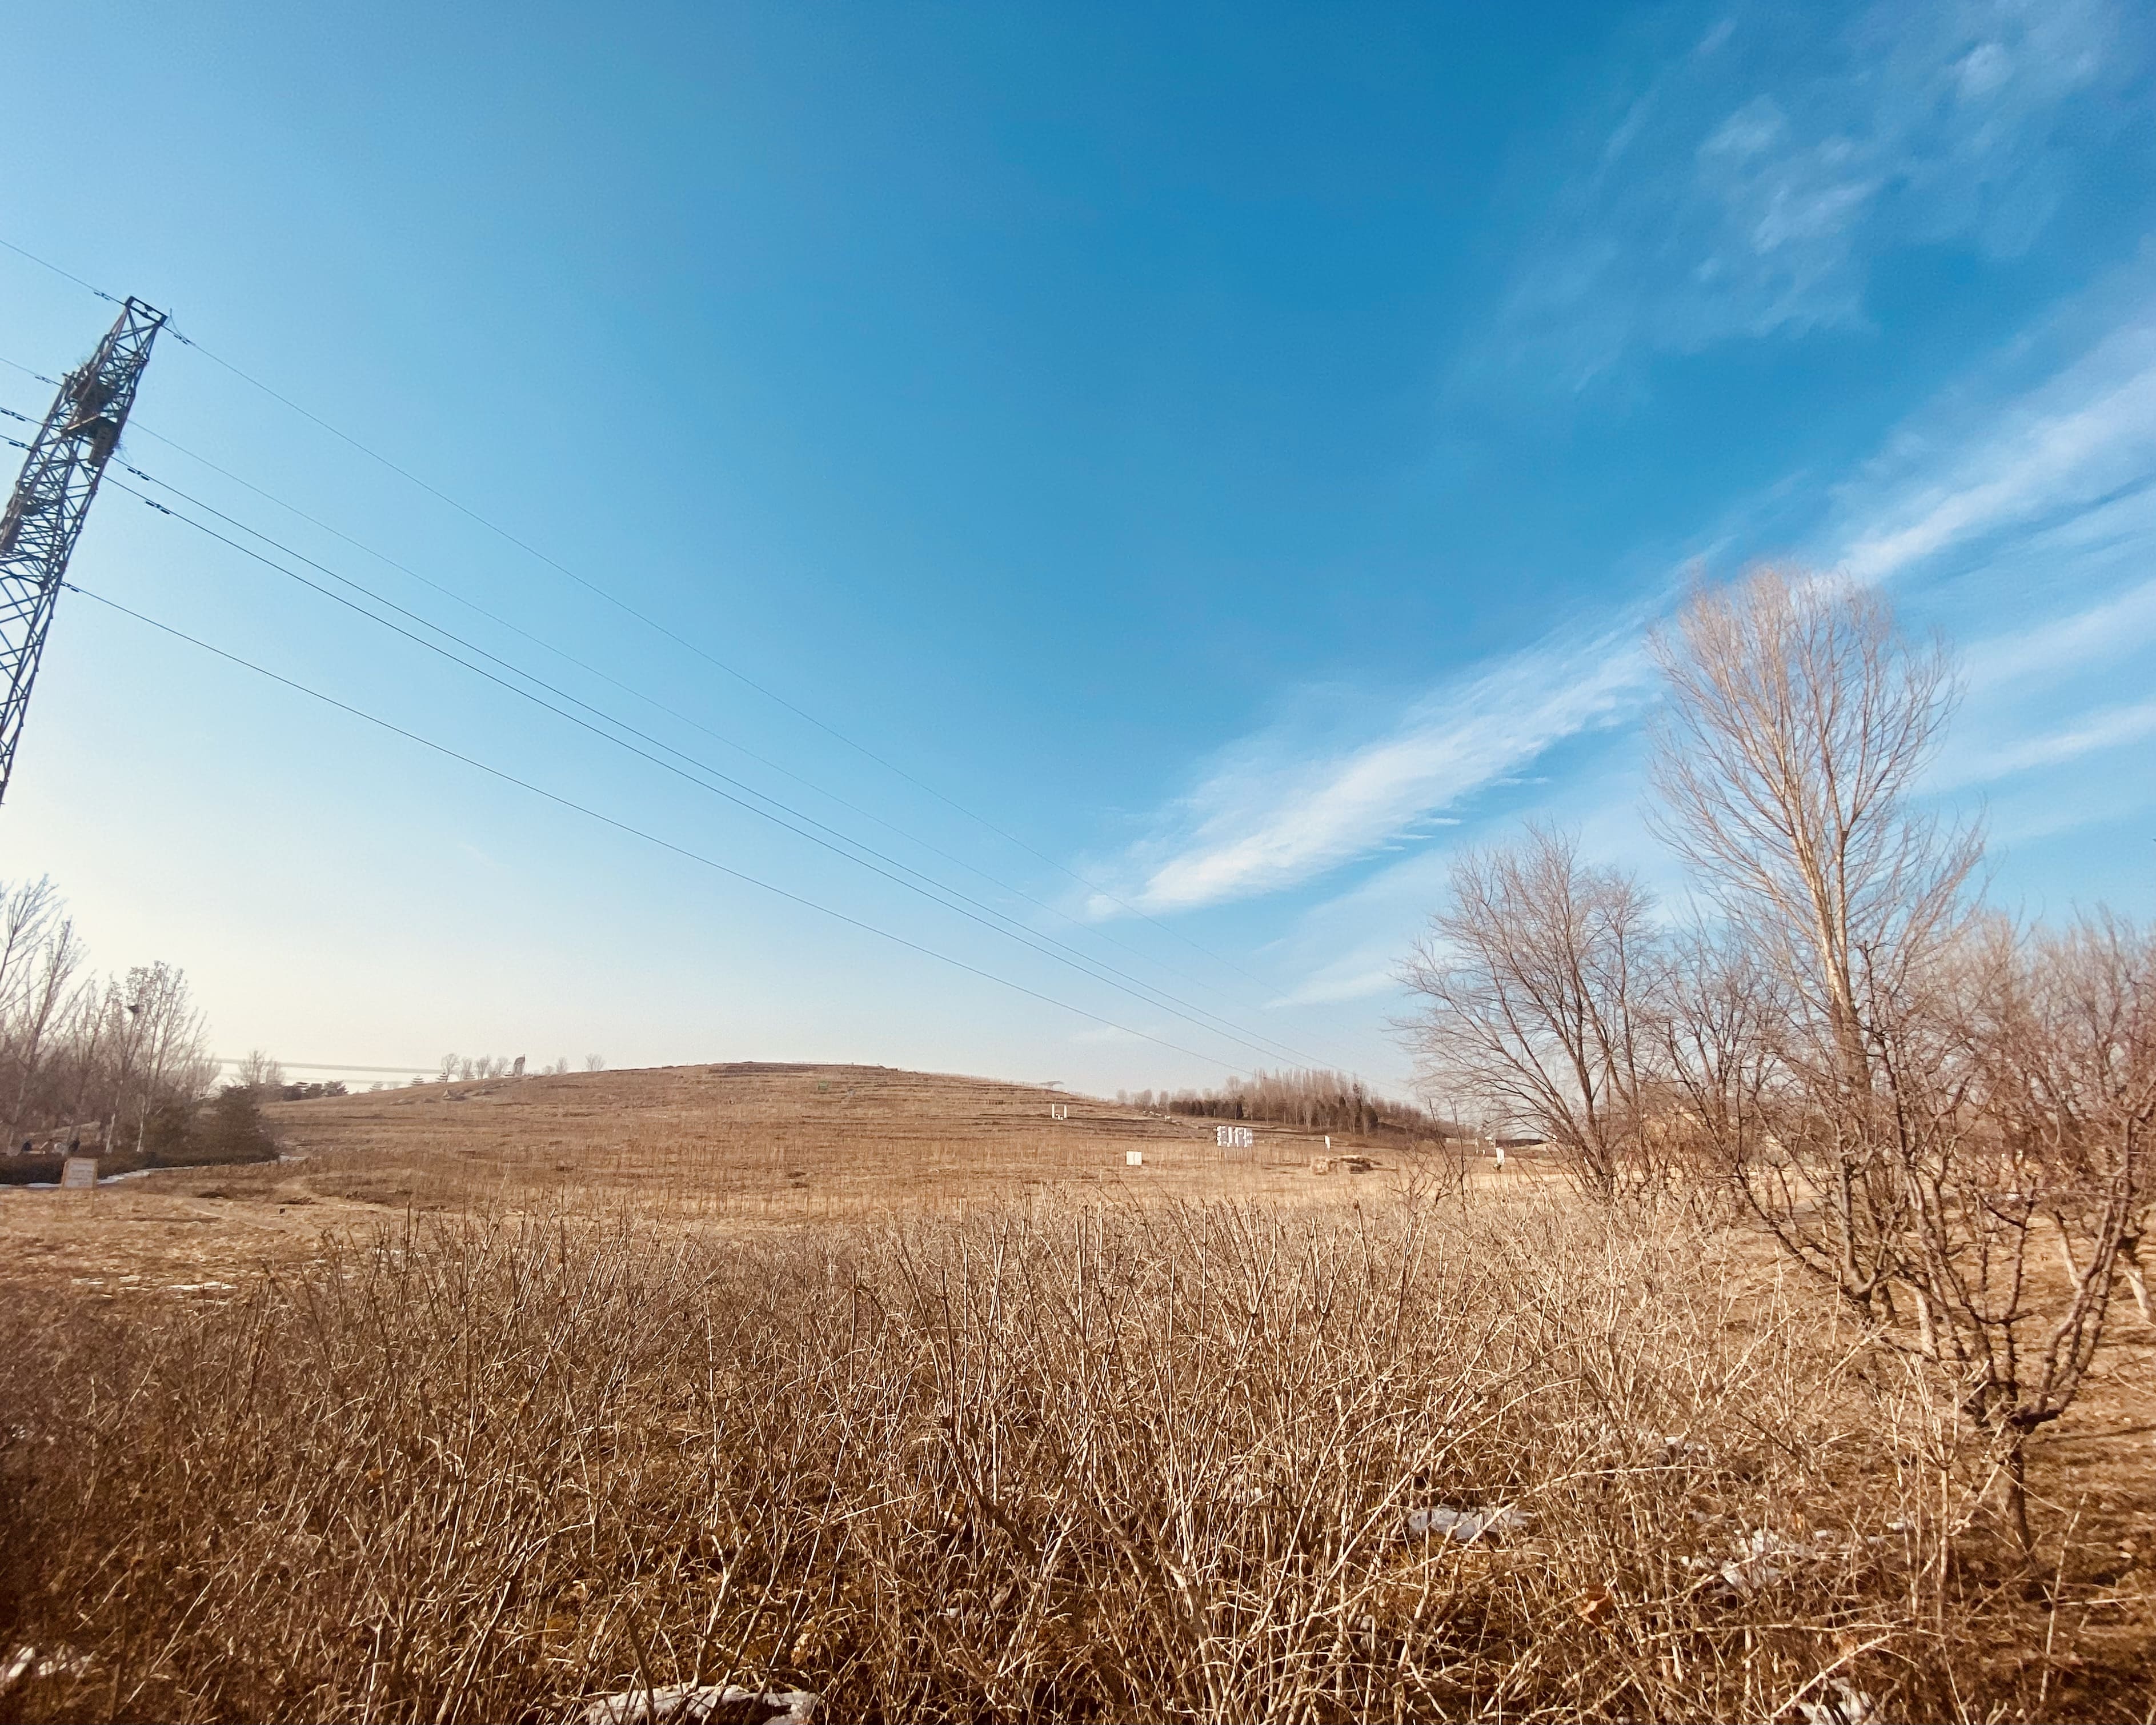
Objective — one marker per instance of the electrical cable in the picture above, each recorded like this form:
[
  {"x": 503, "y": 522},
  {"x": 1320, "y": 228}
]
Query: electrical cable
[
  {"x": 1274, "y": 1049},
  {"x": 65, "y": 275},
  {"x": 636, "y": 831},
  {"x": 649, "y": 621},
  {"x": 708, "y": 657},
  {"x": 16, "y": 365},
  {"x": 660, "y": 706},
  {"x": 1161, "y": 999},
  {"x": 1157, "y": 998}
]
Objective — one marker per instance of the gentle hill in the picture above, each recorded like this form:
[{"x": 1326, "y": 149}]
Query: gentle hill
[{"x": 754, "y": 1140}]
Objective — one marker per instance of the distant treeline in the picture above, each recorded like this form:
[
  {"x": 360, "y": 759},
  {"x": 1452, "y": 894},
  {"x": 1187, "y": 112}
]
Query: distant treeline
[
  {"x": 115, "y": 1067},
  {"x": 84, "y": 1058},
  {"x": 1315, "y": 1101}
]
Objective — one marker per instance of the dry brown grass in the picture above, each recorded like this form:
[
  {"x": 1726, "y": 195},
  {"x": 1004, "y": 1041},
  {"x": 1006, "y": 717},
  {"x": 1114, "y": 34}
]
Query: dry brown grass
[
  {"x": 759, "y": 1143},
  {"x": 935, "y": 1441},
  {"x": 745, "y": 1147}
]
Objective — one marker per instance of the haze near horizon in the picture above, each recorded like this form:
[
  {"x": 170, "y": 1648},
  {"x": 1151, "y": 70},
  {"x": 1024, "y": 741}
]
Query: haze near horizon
[{"x": 1171, "y": 479}]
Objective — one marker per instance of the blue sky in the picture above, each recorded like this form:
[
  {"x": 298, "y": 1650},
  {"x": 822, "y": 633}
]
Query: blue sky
[{"x": 1193, "y": 468}]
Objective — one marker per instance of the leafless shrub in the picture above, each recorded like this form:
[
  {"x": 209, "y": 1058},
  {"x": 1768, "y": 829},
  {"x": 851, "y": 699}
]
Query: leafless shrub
[{"x": 1081, "y": 1464}]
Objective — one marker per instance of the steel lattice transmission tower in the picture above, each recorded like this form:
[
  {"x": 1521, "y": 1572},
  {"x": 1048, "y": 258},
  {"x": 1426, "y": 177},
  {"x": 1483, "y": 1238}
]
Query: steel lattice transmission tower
[{"x": 45, "y": 515}]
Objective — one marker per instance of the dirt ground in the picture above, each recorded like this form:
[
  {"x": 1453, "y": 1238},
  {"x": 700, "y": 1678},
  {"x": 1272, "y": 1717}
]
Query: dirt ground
[
  {"x": 745, "y": 1147},
  {"x": 755, "y": 1148}
]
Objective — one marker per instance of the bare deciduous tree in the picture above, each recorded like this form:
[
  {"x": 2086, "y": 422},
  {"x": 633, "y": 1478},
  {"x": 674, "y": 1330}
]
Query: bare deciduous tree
[
  {"x": 1904, "y": 1093},
  {"x": 1799, "y": 718},
  {"x": 39, "y": 984},
  {"x": 2085, "y": 1090},
  {"x": 258, "y": 1071},
  {"x": 1538, "y": 976},
  {"x": 81, "y": 1056},
  {"x": 1312, "y": 1099},
  {"x": 1922, "y": 1104},
  {"x": 168, "y": 1033}
]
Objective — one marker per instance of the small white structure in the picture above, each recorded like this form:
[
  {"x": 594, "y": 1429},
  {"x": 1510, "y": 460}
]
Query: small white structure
[
  {"x": 78, "y": 1174},
  {"x": 1134, "y": 1158},
  {"x": 1059, "y": 1110},
  {"x": 1234, "y": 1137},
  {"x": 1501, "y": 1159}
]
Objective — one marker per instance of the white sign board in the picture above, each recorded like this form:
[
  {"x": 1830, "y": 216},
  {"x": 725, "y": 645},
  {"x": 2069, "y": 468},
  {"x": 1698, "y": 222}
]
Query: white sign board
[
  {"x": 1234, "y": 1137},
  {"x": 78, "y": 1174},
  {"x": 1134, "y": 1158},
  {"x": 1059, "y": 1110}
]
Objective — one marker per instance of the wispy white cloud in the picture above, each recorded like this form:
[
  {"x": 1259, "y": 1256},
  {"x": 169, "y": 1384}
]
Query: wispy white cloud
[
  {"x": 2033, "y": 510},
  {"x": 2112, "y": 728},
  {"x": 2027, "y": 510},
  {"x": 2024, "y": 501},
  {"x": 2033, "y": 810},
  {"x": 1337, "y": 984},
  {"x": 2055, "y": 454},
  {"x": 2089, "y": 733},
  {"x": 1745, "y": 187},
  {"x": 2058, "y": 477},
  {"x": 2076, "y": 644},
  {"x": 1272, "y": 812},
  {"x": 1347, "y": 946}
]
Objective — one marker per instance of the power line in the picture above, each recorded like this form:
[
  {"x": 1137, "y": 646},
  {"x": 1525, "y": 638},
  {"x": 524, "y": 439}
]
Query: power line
[
  {"x": 317, "y": 1065},
  {"x": 1156, "y": 998},
  {"x": 1152, "y": 995},
  {"x": 636, "y": 831},
  {"x": 653, "y": 623},
  {"x": 17, "y": 365},
  {"x": 708, "y": 657},
  {"x": 69, "y": 275},
  {"x": 660, "y": 706},
  {"x": 1280, "y": 1049}
]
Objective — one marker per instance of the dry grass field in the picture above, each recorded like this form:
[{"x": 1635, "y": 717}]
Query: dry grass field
[
  {"x": 495, "y": 1398},
  {"x": 739, "y": 1147}
]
